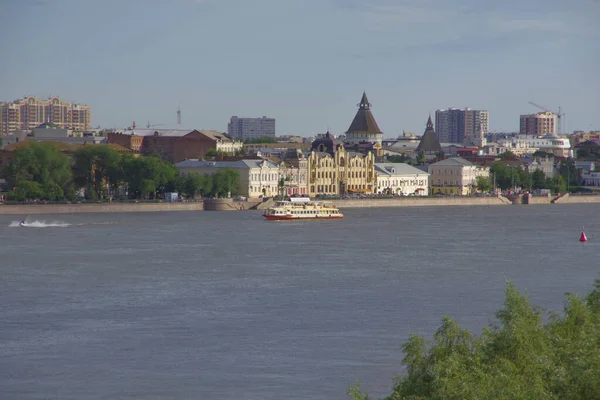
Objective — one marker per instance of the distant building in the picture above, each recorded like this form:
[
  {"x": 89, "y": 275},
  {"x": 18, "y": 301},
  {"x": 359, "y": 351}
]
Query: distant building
[
  {"x": 174, "y": 145},
  {"x": 455, "y": 176},
  {"x": 465, "y": 125},
  {"x": 364, "y": 128},
  {"x": 29, "y": 112},
  {"x": 256, "y": 177},
  {"x": 401, "y": 179},
  {"x": 539, "y": 124},
  {"x": 332, "y": 170},
  {"x": 429, "y": 144},
  {"x": 251, "y": 128}
]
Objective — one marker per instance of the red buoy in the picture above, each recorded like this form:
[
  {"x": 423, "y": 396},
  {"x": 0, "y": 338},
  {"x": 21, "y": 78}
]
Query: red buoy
[{"x": 582, "y": 237}]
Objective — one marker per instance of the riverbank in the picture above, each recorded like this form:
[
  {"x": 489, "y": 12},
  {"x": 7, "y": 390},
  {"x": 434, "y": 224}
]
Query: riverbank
[
  {"x": 36, "y": 209},
  {"x": 231, "y": 205}
]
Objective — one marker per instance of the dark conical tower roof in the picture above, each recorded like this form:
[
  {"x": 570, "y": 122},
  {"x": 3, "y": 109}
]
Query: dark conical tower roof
[
  {"x": 429, "y": 142},
  {"x": 364, "y": 122}
]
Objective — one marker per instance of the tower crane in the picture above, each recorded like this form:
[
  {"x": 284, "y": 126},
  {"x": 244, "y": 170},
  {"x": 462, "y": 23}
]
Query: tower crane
[{"x": 559, "y": 114}]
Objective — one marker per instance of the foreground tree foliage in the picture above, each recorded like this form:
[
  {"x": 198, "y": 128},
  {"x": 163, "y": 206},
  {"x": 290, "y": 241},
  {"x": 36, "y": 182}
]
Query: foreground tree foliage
[
  {"x": 526, "y": 356},
  {"x": 40, "y": 171}
]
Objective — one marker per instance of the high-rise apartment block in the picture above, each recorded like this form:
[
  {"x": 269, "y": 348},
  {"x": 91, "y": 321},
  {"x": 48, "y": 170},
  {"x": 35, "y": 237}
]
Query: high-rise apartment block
[
  {"x": 455, "y": 125},
  {"x": 251, "y": 128},
  {"x": 538, "y": 124},
  {"x": 29, "y": 112}
]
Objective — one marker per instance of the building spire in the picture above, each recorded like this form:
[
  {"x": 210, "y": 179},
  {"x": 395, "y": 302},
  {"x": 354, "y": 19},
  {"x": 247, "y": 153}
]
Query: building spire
[
  {"x": 364, "y": 102},
  {"x": 429, "y": 123}
]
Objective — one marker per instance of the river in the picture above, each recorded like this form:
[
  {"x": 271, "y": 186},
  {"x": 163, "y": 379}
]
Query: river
[{"x": 225, "y": 305}]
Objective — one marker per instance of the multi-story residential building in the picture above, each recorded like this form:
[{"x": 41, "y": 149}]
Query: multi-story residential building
[
  {"x": 251, "y": 128},
  {"x": 538, "y": 125},
  {"x": 364, "y": 128},
  {"x": 175, "y": 145},
  {"x": 293, "y": 173},
  {"x": 29, "y": 112},
  {"x": 464, "y": 125},
  {"x": 401, "y": 179},
  {"x": 333, "y": 171},
  {"x": 455, "y": 176},
  {"x": 256, "y": 177}
]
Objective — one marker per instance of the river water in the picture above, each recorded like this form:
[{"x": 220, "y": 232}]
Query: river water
[{"x": 212, "y": 305}]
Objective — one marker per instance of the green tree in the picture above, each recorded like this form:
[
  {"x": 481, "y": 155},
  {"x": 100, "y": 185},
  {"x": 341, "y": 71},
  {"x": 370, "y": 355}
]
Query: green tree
[
  {"x": 508, "y": 155},
  {"x": 224, "y": 182},
  {"x": 528, "y": 354},
  {"x": 483, "y": 183},
  {"x": 39, "y": 171},
  {"x": 192, "y": 184},
  {"x": 147, "y": 177},
  {"x": 401, "y": 158},
  {"x": 538, "y": 180},
  {"x": 96, "y": 168}
]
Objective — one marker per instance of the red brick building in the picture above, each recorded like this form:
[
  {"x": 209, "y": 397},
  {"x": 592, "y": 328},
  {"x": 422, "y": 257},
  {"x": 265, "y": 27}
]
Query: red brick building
[{"x": 173, "y": 145}]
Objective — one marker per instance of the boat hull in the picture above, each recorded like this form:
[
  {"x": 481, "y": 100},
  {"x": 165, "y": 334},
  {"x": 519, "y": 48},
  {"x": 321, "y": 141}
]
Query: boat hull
[{"x": 297, "y": 217}]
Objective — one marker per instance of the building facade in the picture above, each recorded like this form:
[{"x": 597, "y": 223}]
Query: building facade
[
  {"x": 256, "y": 177},
  {"x": 455, "y": 176},
  {"x": 29, "y": 112},
  {"x": 464, "y": 125},
  {"x": 245, "y": 129},
  {"x": 539, "y": 124},
  {"x": 175, "y": 145},
  {"x": 293, "y": 174},
  {"x": 334, "y": 171},
  {"x": 401, "y": 179}
]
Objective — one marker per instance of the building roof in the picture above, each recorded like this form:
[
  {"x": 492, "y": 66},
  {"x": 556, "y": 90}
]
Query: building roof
[
  {"x": 240, "y": 164},
  {"x": 364, "y": 121},
  {"x": 453, "y": 161},
  {"x": 158, "y": 132},
  {"x": 397, "y": 169},
  {"x": 66, "y": 146},
  {"x": 214, "y": 135},
  {"x": 429, "y": 142},
  {"x": 329, "y": 143},
  {"x": 47, "y": 125}
]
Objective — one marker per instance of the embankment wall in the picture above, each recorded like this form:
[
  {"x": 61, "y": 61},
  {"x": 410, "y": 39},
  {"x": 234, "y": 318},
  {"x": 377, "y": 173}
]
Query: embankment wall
[
  {"x": 98, "y": 208},
  {"x": 420, "y": 202},
  {"x": 577, "y": 199}
]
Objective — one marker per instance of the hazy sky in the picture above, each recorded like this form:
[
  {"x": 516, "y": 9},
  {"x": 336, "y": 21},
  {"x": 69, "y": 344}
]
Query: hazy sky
[{"x": 304, "y": 62}]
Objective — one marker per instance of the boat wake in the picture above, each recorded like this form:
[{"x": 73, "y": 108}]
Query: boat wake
[{"x": 39, "y": 224}]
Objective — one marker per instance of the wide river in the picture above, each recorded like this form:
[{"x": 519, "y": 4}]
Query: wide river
[{"x": 213, "y": 305}]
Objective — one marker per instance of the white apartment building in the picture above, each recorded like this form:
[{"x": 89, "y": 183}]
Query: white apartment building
[
  {"x": 251, "y": 128},
  {"x": 524, "y": 144},
  {"x": 401, "y": 179}
]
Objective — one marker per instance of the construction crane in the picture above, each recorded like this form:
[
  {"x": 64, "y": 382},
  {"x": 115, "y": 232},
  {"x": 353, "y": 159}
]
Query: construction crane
[
  {"x": 559, "y": 114},
  {"x": 148, "y": 125}
]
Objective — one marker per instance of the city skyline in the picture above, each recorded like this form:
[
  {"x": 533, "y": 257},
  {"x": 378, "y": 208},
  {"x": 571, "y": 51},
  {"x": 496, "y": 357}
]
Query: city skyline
[{"x": 307, "y": 63}]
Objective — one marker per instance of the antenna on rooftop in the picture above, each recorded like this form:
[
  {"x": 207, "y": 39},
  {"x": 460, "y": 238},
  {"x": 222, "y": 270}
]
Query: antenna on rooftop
[{"x": 178, "y": 115}]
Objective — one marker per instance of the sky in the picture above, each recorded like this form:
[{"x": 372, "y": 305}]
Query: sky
[{"x": 305, "y": 62}]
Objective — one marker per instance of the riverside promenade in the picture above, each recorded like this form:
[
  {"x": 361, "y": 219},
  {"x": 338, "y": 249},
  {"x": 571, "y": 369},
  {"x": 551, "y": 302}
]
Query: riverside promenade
[{"x": 232, "y": 205}]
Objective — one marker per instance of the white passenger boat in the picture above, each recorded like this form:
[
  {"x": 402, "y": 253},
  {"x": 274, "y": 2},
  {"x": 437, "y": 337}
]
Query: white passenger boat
[{"x": 302, "y": 208}]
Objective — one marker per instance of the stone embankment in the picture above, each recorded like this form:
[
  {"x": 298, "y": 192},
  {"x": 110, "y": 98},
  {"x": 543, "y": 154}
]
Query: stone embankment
[
  {"x": 231, "y": 205},
  {"x": 98, "y": 208},
  {"x": 423, "y": 202}
]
